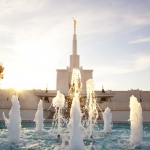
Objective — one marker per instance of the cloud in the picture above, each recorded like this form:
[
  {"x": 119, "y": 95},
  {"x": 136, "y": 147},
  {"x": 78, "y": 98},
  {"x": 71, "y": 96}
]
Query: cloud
[
  {"x": 135, "y": 63},
  {"x": 29, "y": 18},
  {"x": 140, "y": 40}
]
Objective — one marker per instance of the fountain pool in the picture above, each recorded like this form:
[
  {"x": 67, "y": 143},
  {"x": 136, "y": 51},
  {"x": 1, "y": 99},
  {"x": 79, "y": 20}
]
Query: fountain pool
[{"x": 118, "y": 139}]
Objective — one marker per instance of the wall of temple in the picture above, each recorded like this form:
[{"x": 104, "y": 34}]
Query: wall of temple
[
  {"x": 120, "y": 96},
  {"x": 85, "y": 75},
  {"x": 28, "y": 97},
  {"x": 62, "y": 80},
  {"x": 124, "y": 96},
  {"x": 145, "y": 96},
  {"x": 119, "y": 104}
]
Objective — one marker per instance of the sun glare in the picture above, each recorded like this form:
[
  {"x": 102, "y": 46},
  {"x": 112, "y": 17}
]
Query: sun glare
[
  {"x": 8, "y": 85},
  {"x": 20, "y": 80}
]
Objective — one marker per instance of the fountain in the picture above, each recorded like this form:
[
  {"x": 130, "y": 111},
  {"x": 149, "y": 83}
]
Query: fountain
[
  {"x": 107, "y": 117},
  {"x": 14, "y": 122},
  {"x": 91, "y": 106},
  {"x": 136, "y": 122},
  {"x": 58, "y": 103},
  {"x": 76, "y": 131},
  {"x": 39, "y": 140},
  {"x": 76, "y": 139},
  {"x": 39, "y": 117}
]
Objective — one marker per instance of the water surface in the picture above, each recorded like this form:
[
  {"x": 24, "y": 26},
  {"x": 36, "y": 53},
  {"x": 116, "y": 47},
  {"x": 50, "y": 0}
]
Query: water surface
[{"x": 118, "y": 139}]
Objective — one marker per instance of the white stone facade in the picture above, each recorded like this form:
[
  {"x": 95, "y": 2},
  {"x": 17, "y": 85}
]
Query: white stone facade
[{"x": 119, "y": 104}]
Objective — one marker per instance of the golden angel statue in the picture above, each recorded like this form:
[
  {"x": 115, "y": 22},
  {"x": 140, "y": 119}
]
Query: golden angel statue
[{"x": 74, "y": 21}]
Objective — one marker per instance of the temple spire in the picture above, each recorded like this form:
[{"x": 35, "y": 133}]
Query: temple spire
[
  {"x": 74, "y": 38},
  {"x": 74, "y": 58},
  {"x": 74, "y": 25}
]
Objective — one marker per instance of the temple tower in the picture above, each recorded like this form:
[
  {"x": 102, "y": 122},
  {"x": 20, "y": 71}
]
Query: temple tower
[
  {"x": 64, "y": 75},
  {"x": 74, "y": 58}
]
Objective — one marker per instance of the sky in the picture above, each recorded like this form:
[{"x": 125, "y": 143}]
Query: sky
[{"x": 113, "y": 39}]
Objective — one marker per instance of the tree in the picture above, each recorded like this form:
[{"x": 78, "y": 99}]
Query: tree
[{"x": 1, "y": 71}]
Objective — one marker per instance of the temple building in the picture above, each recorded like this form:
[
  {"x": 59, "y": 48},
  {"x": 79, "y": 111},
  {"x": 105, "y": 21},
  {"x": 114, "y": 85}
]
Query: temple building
[
  {"x": 64, "y": 75},
  {"x": 117, "y": 101}
]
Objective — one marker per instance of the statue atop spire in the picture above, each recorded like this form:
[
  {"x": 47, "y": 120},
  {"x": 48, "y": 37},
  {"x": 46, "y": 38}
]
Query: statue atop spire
[{"x": 74, "y": 22}]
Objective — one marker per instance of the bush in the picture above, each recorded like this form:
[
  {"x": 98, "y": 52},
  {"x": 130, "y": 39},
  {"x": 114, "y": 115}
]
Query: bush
[{"x": 1, "y": 71}]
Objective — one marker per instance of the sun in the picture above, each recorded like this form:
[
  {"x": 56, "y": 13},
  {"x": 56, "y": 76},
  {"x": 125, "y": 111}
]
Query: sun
[{"x": 14, "y": 81}]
